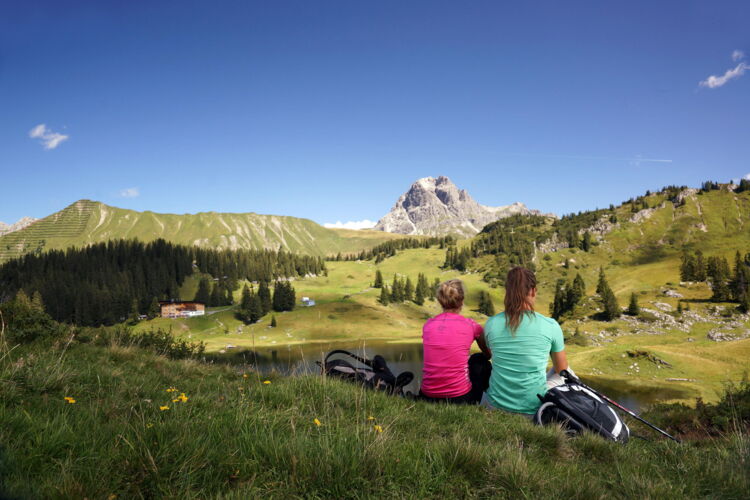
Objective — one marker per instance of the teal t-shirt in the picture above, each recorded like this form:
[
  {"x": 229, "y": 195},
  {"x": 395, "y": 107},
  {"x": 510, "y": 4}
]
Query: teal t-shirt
[{"x": 519, "y": 360}]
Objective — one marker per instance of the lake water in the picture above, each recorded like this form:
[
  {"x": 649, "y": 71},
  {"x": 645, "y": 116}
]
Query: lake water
[{"x": 300, "y": 359}]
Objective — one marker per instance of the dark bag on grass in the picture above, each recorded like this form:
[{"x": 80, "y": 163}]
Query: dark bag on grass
[
  {"x": 579, "y": 409},
  {"x": 372, "y": 373}
]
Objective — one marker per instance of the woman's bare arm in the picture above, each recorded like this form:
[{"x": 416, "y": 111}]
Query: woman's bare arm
[
  {"x": 559, "y": 361},
  {"x": 483, "y": 346}
]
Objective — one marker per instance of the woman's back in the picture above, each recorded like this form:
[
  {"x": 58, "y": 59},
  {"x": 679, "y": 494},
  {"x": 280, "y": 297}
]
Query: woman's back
[{"x": 519, "y": 360}]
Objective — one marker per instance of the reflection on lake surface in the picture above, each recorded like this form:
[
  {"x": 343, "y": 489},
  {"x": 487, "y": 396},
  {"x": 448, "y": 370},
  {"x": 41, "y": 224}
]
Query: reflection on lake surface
[{"x": 300, "y": 359}]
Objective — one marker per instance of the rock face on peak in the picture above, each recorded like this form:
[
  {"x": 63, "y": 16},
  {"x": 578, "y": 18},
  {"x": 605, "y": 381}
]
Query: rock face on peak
[
  {"x": 20, "y": 224},
  {"x": 436, "y": 206}
]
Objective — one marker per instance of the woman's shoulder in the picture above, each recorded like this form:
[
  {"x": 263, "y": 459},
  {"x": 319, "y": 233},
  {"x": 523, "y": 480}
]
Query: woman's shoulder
[{"x": 547, "y": 321}]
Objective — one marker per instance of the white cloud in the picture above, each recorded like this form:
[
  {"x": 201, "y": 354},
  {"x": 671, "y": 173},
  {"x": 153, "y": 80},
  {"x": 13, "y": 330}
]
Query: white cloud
[
  {"x": 714, "y": 81},
  {"x": 48, "y": 138},
  {"x": 360, "y": 224},
  {"x": 130, "y": 193}
]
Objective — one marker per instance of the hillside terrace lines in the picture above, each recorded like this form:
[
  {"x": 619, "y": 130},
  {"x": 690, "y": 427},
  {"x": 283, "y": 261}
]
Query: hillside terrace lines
[{"x": 68, "y": 223}]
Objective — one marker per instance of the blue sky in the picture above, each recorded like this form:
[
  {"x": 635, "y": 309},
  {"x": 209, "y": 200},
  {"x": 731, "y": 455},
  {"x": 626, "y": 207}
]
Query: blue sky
[{"x": 329, "y": 110}]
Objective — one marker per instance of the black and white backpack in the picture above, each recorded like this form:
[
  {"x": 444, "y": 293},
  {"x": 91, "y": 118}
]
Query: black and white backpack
[
  {"x": 371, "y": 373},
  {"x": 579, "y": 409}
]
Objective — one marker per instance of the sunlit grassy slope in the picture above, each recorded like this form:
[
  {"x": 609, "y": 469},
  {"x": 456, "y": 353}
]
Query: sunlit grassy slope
[
  {"x": 234, "y": 436},
  {"x": 641, "y": 257},
  {"x": 86, "y": 222}
]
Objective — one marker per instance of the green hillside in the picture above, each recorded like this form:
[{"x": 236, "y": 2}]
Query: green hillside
[
  {"x": 85, "y": 222},
  {"x": 641, "y": 255}
]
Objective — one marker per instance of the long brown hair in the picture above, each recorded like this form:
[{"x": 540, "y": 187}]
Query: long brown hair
[{"x": 518, "y": 284}]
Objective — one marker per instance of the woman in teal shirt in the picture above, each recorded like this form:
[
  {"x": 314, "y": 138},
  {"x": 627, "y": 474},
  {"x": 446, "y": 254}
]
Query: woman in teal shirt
[{"x": 521, "y": 342}]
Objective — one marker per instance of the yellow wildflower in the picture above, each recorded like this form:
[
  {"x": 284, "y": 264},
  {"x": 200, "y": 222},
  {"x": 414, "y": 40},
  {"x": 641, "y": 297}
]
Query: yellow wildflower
[
  {"x": 175, "y": 400},
  {"x": 244, "y": 375},
  {"x": 165, "y": 407},
  {"x": 70, "y": 400},
  {"x": 266, "y": 382},
  {"x": 172, "y": 389},
  {"x": 377, "y": 428},
  {"x": 370, "y": 418},
  {"x": 149, "y": 425},
  {"x": 317, "y": 422}
]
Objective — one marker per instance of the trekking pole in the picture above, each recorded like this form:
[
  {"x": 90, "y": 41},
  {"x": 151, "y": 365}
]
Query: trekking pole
[{"x": 567, "y": 375}]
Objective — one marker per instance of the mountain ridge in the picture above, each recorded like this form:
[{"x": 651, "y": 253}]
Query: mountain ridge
[{"x": 85, "y": 222}]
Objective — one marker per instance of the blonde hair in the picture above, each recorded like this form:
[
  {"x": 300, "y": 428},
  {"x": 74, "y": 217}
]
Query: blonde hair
[{"x": 450, "y": 294}]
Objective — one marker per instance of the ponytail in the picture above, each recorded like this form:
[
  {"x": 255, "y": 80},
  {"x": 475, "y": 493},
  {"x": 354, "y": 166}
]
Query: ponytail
[{"x": 518, "y": 284}]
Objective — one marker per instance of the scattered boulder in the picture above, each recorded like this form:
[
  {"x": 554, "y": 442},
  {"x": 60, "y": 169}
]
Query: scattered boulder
[
  {"x": 638, "y": 354},
  {"x": 672, "y": 293}
]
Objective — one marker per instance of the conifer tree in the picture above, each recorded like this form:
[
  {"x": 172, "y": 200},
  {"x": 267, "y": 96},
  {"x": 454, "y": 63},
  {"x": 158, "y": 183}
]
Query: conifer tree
[
  {"x": 378, "y": 279},
  {"x": 245, "y": 300},
  {"x": 700, "y": 267},
  {"x": 611, "y": 307},
  {"x": 36, "y": 301},
  {"x": 586, "y": 241},
  {"x": 408, "y": 289},
  {"x": 203, "y": 295},
  {"x": 133, "y": 318},
  {"x": 486, "y": 306},
  {"x": 216, "y": 299},
  {"x": 434, "y": 288},
  {"x": 687, "y": 268},
  {"x": 385, "y": 297},
  {"x": 602, "y": 283},
  {"x": 264, "y": 295},
  {"x": 154, "y": 310},
  {"x": 718, "y": 272},
  {"x": 419, "y": 295},
  {"x": 255, "y": 312},
  {"x": 744, "y": 306},
  {"x": 679, "y": 307},
  {"x": 273, "y": 321},
  {"x": 633, "y": 308},
  {"x": 558, "y": 306},
  {"x": 397, "y": 293}
]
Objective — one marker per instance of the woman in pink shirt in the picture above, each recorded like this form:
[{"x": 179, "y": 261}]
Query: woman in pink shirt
[{"x": 450, "y": 374}]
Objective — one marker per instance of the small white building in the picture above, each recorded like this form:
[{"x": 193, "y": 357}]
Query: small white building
[{"x": 307, "y": 302}]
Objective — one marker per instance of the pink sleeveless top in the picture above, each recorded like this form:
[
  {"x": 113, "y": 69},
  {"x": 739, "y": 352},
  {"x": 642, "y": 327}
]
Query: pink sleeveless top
[{"x": 447, "y": 340}]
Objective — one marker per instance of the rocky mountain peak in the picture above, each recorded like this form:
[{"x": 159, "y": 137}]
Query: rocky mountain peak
[
  {"x": 17, "y": 226},
  {"x": 436, "y": 206}
]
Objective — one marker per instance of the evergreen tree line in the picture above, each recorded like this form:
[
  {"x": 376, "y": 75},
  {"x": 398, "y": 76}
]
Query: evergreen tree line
[
  {"x": 727, "y": 284},
  {"x": 567, "y": 296},
  {"x": 254, "y": 305},
  {"x": 403, "y": 289},
  {"x": 220, "y": 294},
  {"x": 256, "y": 265},
  {"x": 390, "y": 248},
  {"x": 106, "y": 283}
]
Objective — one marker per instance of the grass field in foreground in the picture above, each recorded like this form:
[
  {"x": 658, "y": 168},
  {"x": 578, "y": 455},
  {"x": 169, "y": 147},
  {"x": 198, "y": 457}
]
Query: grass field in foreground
[{"x": 233, "y": 436}]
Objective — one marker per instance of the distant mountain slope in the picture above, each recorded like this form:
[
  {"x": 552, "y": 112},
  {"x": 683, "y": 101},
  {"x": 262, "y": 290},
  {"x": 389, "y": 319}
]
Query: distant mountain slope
[
  {"x": 16, "y": 226},
  {"x": 435, "y": 206},
  {"x": 638, "y": 242},
  {"x": 87, "y": 221}
]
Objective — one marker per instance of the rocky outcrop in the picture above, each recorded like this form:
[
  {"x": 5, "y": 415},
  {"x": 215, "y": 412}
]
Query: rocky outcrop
[
  {"x": 20, "y": 224},
  {"x": 435, "y": 206}
]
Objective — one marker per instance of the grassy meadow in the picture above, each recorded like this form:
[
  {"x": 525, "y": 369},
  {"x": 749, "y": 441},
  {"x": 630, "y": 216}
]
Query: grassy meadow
[{"x": 109, "y": 420}]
